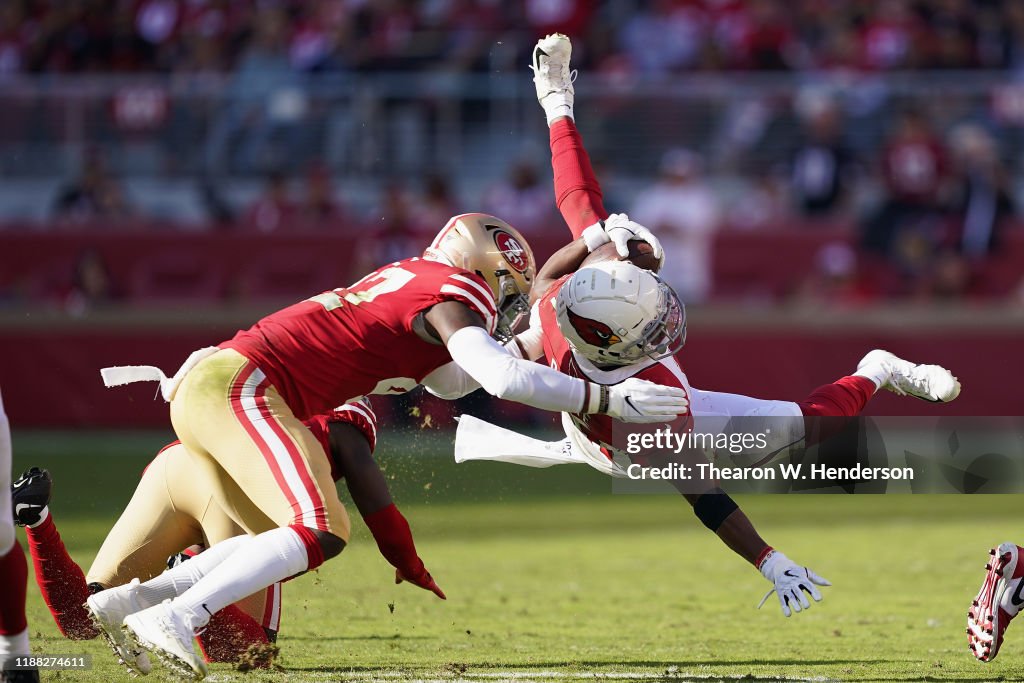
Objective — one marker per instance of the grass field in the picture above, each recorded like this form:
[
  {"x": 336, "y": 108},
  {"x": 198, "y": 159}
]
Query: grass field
[{"x": 551, "y": 577}]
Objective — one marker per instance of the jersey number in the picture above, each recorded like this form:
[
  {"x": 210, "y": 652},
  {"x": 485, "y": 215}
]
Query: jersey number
[{"x": 383, "y": 282}]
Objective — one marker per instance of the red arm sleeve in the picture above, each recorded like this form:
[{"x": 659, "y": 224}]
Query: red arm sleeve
[
  {"x": 577, "y": 192},
  {"x": 394, "y": 540}
]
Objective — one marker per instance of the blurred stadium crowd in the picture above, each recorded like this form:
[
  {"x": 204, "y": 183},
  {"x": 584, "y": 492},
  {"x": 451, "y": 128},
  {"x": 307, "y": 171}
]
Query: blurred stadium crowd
[{"x": 889, "y": 132}]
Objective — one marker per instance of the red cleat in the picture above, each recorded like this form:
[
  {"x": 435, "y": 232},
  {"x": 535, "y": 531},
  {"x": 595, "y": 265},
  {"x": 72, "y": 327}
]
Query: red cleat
[{"x": 998, "y": 601}]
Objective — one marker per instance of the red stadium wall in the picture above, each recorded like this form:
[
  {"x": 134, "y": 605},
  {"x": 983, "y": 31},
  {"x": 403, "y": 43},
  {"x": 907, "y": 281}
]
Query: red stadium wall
[
  {"x": 174, "y": 287},
  {"x": 51, "y": 378}
]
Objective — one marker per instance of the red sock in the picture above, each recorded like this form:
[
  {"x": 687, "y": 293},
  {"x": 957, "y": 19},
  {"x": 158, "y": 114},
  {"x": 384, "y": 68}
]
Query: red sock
[
  {"x": 846, "y": 397},
  {"x": 577, "y": 191},
  {"x": 229, "y": 633},
  {"x": 14, "y": 579},
  {"x": 61, "y": 581}
]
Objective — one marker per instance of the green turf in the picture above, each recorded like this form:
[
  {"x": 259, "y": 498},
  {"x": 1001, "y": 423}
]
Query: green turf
[{"x": 549, "y": 576}]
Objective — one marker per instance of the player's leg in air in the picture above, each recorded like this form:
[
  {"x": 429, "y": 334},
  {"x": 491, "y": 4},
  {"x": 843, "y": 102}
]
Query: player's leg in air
[
  {"x": 171, "y": 510},
  {"x": 579, "y": 199},
  {"x": 13, "y": 573},
  {"x": 998, "y": 601}
]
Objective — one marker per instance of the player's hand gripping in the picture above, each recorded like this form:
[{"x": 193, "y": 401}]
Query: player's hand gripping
[
  {"x": 619, "y": 230},
  {"x": 423, "y": 579},
  {"x": 637, "y": 400},
  {"x": 792, "y": 583}
]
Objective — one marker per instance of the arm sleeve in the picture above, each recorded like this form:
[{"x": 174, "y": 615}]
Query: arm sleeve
[
  {"x": 503, "y": 375},
  {"x": 451, "y": 382},
  {"x": 394, "y": 540},
  {"x": 577, "y": 192}
]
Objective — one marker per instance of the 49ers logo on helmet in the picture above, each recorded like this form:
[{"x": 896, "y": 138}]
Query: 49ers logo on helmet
[
  {"x": 513, "y": 252},
  {"x": 593, "y": 332}
]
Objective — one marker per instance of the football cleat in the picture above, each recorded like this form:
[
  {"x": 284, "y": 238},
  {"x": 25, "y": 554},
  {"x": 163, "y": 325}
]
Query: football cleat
[
  {"x": 30, "y": 494},
  {"x": 927, "y": 382},
  {"x": 999, "y": 600},
  {"x": 168, "y": 635},
  {"x": 107, "y": 609},
  {"x": 551, "y": 74}
]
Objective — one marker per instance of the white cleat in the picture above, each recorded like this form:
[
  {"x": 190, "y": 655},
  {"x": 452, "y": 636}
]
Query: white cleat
[
  {"x": 107, "y": 609},
  {"x": 551, "y": 73},
  {"x": 168, "y": 635},
  {"x": 927, "y": 382}
]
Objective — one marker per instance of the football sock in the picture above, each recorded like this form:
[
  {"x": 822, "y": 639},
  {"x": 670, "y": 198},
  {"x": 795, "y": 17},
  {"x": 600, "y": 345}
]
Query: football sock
[
  {"x": 875, "y": 372},
  {"x": 60, "y": 580},
  {"x": 175, "y": 581},
  {"x": 229, "y": 634},
  {"x": 577, "y": 191},
  {"x": 14, "y": 579},
  {"x": 846, "y": 397},
  {"x": 270, "y": 557}
]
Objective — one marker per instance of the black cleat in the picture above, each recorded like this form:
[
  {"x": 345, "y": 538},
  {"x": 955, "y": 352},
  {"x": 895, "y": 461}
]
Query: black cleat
[{"x": 30, "y": 494}]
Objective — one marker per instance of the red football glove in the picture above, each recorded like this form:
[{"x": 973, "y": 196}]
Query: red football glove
[
  {"x": 394, "y": 539},
  {"x": 424, "y": 580}
]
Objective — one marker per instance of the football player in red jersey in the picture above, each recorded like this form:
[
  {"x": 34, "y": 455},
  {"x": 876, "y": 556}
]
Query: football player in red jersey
[
  {"x": 13, "y": 575},
  {"x": 174, "y": 510},
  {"x": 607, "y": 322},
  {"x": 238, "y": 409}
]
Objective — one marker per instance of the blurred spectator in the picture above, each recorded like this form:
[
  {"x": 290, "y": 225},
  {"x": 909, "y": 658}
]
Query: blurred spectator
[
  {"x": 836, "y": 280},
  {"x": 394, "y": 236},
  {"x": 982, "y": 199},
  {"x": 663, "y": 37},
  {"x": 521, "y": 200},
  {"x": 91, "y": 285},
  {"x": 274, "y": 210},
  {"x": 320, "y": 207},
  {"x": 682, "y": 209},
  {"x": 436, "y": 205},
  {"x": 914, "y": 171},
  {"x": 95, "y": 194},
  {"x": 821, "y": 165}
]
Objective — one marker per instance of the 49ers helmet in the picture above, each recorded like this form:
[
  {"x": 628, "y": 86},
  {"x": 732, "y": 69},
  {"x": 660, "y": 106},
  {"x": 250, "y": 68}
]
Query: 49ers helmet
[
  {"x": 614, "y": 313},
  {"x": 497, "y": 252}
]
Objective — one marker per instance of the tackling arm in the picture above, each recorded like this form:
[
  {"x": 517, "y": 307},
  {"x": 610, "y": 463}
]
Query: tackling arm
[
  {"x": 507, "y": 376},
  {"x": 372, "y": 497}
]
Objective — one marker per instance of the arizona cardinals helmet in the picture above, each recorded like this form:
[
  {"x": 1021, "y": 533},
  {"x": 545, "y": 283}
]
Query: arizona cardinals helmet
[
  {"x": 614, "y": 313},
  {"x": 495, "y": 251}
]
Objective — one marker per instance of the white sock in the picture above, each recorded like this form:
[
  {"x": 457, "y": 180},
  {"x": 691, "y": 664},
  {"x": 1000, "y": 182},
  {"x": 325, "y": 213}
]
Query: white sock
[
  {"x": 175, "y": 581},
  {"x": 555, "y": 106},
  {"x": 270, "y": 557},
  {"x": 12, "y": 645},
  {"x": 875, "y": 372},
  {"x": 42, "y": 517}
]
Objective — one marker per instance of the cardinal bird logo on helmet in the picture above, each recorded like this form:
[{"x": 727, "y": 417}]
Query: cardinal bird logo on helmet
[
  {"x": 512, "y": 251},
  {"x": 593, "y": 332}
]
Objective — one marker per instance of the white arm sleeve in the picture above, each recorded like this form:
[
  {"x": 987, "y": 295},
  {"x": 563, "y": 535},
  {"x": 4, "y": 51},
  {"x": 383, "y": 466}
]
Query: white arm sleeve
[
  {"x": 503, "y": 375},
  {"x": 450, "y": 382}
]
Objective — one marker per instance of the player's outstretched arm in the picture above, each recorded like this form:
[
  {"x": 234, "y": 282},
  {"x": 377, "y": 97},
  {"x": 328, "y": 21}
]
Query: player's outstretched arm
[
  {"x": 506, "y": 376},
  {"x": 717, "y": 511},
  {"x": 372, "y": 497}
]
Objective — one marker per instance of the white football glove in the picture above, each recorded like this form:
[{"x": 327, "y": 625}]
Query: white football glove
[
  {"x": 637, "y": 400},
  {"x": 791, "y": 582},
  {"x": 619, "y": 229}
]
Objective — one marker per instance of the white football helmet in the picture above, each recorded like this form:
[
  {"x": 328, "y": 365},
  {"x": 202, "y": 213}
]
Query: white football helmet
[
  {"x": 497, "y": 252},
  {"x": 614, "y": 313}
]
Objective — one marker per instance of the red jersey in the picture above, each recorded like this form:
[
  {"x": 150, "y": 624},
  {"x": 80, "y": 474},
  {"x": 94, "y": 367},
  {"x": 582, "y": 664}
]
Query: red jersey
[
  {"x": 597, "y": 427},
  {"x": 360, "y": 340}
]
